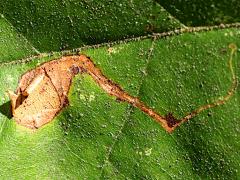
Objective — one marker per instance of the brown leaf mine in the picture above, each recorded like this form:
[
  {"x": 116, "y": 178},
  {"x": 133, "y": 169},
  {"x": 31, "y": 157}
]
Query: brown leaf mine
[{"x": 42, "y": 92}]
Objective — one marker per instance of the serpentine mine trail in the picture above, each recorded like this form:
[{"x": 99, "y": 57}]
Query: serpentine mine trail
[{"x": 43, "y": 92}]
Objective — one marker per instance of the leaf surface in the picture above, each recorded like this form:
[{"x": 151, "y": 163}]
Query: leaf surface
[
  {"x": 98, "y": 137},
  {"x": 201, "y": 12},
  {"x": 59, "y": 25},
  {"x": 13, "y": 46}
]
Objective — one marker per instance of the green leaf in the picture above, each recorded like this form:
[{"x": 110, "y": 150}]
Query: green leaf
[
  {"x": 55, "y": 25},
  {"x": 97, "y": 137},
  {"x": 201, "y": 12},
  {"x": 13, "y": 46}
]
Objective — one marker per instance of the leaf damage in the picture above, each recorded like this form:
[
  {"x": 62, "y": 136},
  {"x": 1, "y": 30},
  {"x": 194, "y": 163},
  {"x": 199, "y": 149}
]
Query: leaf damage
[{"x": 43, "y": 92}]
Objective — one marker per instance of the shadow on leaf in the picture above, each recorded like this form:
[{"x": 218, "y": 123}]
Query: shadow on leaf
[{"x": 5, "y": 109}]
